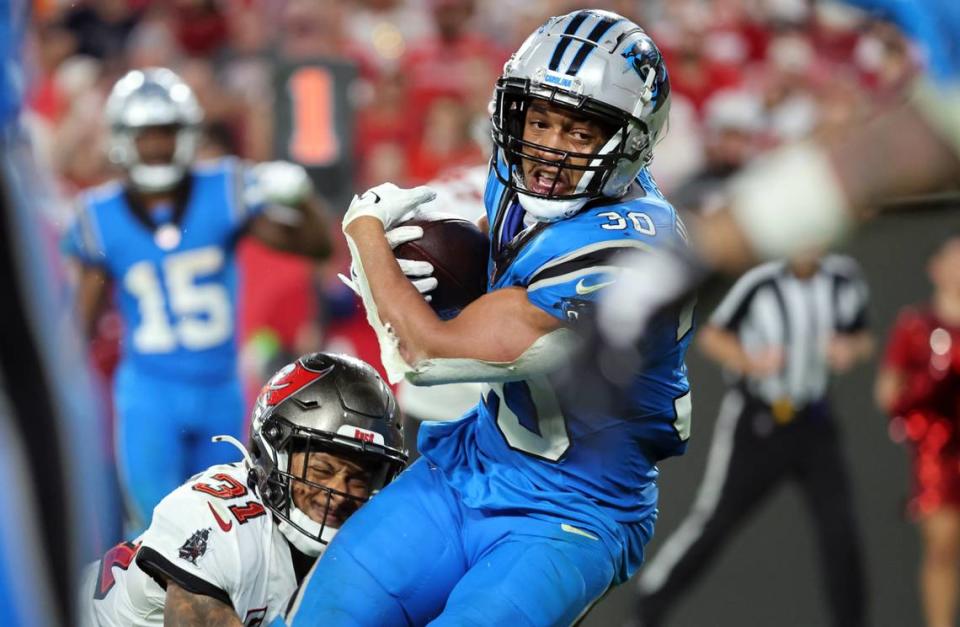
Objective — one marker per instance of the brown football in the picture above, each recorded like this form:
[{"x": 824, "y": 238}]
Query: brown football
[{"x": 458, "y": 250}]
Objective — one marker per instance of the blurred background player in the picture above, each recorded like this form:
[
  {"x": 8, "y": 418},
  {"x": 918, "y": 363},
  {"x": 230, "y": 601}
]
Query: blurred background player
[
  {"x": 55, "y": 509},
  {"x": 780, "y": 333},
  {"x": 165, "y": 237},
  {"x": 530, "y": 510},
  {"x": 732, "y": 130},
  {"x": 231, "y": 545},
  {"x": 918, "y": 385},
  {"x": 807, "y": 194}
]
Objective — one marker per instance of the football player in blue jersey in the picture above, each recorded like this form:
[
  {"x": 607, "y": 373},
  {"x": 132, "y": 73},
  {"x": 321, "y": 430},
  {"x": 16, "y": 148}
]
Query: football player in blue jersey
[
  {"x": 165, "y": 238},
  {"x": 526, "y": 510}
]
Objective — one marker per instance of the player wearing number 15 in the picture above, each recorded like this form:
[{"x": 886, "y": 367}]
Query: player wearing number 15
[
  {"x": 527, "y": 509},
  {"x": 165, "y": 237}
]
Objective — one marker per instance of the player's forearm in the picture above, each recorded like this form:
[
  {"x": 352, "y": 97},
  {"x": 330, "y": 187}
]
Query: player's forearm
[
  {"x": 300, "y": 231},
  {"x": 186, "y": 609},
  {"x": 91, "y": 292},
  {"x": 806, "y": 195},
  {"x": 894, "y": 154},
  {"x": 724, "y": 348},
  {"x": 398, "y": 302},
  {"x": 313, "y": 238}
]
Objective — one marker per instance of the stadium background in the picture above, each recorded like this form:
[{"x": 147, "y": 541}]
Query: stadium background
[{"x": 369, "y": 90}]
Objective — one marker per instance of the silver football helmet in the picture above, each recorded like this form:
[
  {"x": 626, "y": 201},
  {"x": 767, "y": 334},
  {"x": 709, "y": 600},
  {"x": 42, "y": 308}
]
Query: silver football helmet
[
  {"x": 322, "y": 403},
  {"x": 603, "y": 66},
  {"x": 152, "y": 97}
]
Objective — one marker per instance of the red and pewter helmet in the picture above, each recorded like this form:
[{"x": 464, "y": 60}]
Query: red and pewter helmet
[{"x": 322, "y": 403}]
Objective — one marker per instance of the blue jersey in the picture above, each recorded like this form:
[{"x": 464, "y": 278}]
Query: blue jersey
[
  {"x": 174, "y": 275},
  {"x": 522, "y": 448}
]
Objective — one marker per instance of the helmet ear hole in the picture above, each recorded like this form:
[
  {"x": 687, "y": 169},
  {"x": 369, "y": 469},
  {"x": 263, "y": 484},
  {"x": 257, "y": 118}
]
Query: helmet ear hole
[
  {"x": 272, "y": 433},
  {"x": 274, "y": 495}
]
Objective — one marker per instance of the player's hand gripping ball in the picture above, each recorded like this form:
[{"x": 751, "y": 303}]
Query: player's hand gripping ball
[{"x": 445, "y": 258}]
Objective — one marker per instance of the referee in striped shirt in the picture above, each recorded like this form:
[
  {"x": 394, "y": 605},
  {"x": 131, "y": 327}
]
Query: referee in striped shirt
[{"x": 780, "y": 333}]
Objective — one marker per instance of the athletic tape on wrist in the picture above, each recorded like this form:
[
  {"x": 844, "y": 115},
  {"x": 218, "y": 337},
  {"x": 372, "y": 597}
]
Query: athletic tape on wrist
[{"x": 394, "y": 365}]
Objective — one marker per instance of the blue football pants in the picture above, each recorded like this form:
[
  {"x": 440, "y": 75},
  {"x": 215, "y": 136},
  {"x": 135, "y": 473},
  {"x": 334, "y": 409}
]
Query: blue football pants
[
  {"x": 162, "y": 435},
  {"x": 416, "y": 555}
]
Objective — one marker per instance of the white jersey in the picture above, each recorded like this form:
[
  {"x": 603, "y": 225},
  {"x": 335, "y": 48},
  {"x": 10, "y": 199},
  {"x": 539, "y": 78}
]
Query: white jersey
[{"x": 211, "y": 536}]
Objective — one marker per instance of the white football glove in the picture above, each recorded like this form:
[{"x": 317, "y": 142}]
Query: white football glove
[
  {"x": 420, "y": 273},
  {"x": 388, "y": 203},
  {"x": 280, "y": 183}
]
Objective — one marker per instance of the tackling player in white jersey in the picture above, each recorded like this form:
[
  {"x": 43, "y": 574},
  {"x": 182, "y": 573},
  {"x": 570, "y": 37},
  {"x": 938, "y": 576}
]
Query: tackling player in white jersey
[{"x": 230, "y": 546}]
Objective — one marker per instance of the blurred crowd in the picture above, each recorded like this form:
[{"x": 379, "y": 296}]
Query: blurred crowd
[{"x": 363, "y": 91}]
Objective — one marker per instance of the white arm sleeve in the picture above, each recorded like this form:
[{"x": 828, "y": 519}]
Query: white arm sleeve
[
  {"x": 548, "y": 353},
  {"x": 395, "y": 366}
]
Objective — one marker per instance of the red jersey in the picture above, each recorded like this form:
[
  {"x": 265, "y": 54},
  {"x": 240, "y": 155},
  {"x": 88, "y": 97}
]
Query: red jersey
[{"x": 927, "y": 353}]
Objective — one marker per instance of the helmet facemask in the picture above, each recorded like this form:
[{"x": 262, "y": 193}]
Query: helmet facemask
[
  {"x": 323, "y": 404},
  {"x": 154, "y": 177},
  {"x": 279, "y": 486},
  {"x": 151, "y": 98},
  {"x": 625, "y": 142}
]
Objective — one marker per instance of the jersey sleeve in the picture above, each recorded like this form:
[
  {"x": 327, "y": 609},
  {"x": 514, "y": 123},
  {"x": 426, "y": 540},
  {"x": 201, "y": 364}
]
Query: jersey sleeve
[
  {"x": 193, "y": 542},
  {"x": 569, "y": 285},
  {"x": 83, "y": 240},
  {"x": 573, "y": 278}
]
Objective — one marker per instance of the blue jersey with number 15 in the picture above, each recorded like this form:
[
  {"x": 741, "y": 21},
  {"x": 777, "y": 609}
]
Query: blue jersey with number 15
[
  {"x": 523, "y": 449},
  {"x": 177, "y": 300}
]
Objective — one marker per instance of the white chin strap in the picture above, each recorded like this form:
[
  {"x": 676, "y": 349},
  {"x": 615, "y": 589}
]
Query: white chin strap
[
  {"x": 550, "y": 210},
  {"x": 156, "y": 178},
  {"x": 306, "y": 545}
]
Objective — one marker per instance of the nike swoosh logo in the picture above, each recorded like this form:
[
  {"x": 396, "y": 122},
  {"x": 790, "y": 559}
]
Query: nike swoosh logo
[
  {"x": 226, "y": 526},
  {"x": 376, "y": 196},
  {"x": 583, "y": 288},
  {"x": 577, "y": 531}
]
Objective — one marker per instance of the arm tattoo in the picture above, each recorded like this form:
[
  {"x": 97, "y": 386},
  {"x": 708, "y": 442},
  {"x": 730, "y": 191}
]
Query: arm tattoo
[{"x": 185, "y": 609}]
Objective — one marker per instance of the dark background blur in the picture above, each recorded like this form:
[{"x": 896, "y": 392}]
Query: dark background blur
[{"x": 768, "y": 573}]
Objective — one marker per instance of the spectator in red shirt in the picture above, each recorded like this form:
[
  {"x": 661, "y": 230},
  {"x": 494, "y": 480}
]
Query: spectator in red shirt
[
  {"x": 446, "y": 141},
  {"x": 383, "y": 132},
  {"x": 693, "y": 72},
  {"x": 919, "y": 386},
  {"x": 444, "y": 63}
]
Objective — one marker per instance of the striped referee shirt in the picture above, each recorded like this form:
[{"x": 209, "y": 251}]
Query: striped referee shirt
[{"x": 770, "y": 307}]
